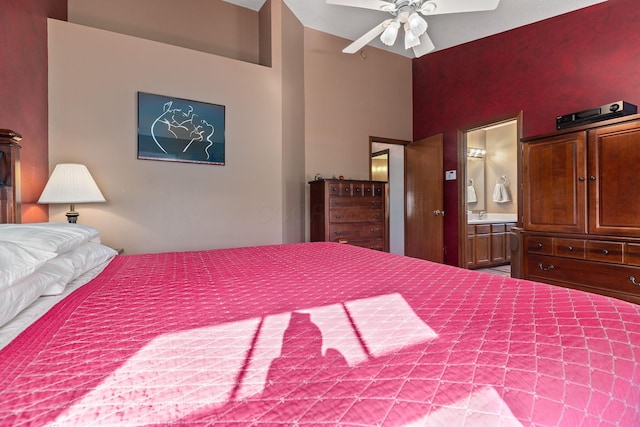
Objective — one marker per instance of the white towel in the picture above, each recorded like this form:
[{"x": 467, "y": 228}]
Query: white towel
[
  {"x": 471, "y": 194},
  {"x": 501, "y": 194}
]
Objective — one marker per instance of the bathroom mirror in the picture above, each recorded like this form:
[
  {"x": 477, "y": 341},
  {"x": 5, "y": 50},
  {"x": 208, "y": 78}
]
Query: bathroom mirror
[{"x": 476, "y": 175}]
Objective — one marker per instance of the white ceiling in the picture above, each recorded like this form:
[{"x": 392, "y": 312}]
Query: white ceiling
[{"x": 445, "y": 30}]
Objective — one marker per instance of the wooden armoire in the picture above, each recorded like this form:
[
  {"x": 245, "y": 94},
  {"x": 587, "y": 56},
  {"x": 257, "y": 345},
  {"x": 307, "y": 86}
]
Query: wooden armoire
[{"x": 581, "y": 208}]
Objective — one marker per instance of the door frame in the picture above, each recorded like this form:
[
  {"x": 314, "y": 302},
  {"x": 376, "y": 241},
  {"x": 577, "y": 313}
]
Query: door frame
[
  {"x": 389, "y": 141},
  {"x": 462, "y": 178}
]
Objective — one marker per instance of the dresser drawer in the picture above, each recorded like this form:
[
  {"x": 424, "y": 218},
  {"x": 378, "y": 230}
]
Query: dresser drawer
[
  {"x": 539, "y": 245},
  {"x": 605, "y": 251},
  {"x": 609, "y": 279},
  {"x": 356, "y": 231},
  {"x": 356, "y": 202},
  {"x": 633, "y": 253},
  {"x": 355, "y": 215},
  {"x": 570, "y": 248},
  {"x": 376, "y": 189},
  {"x": 340, "y": 189},
  {"x": 376, "y": 244}
]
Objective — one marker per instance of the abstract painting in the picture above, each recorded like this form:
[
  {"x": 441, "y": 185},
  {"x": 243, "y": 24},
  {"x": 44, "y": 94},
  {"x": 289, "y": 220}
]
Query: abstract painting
[{"x": 179, "y": 130}]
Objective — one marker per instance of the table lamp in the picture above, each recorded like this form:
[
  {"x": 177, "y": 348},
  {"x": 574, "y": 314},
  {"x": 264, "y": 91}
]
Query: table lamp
[{"x": 71, "y": 183}]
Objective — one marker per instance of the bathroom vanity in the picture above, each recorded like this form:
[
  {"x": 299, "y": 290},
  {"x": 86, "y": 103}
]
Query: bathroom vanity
[{"x": 488, "y": 242}]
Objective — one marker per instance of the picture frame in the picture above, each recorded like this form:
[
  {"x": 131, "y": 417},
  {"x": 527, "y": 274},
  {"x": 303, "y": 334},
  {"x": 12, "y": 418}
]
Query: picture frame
[{"x": 180, "y": 130}]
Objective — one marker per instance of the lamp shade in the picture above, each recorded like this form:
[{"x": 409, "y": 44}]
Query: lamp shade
[{"x": 71, "y": 183}]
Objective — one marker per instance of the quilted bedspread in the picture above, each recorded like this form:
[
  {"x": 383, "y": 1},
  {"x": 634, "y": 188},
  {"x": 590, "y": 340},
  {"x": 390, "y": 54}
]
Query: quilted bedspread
[{"x": 321, "y": 334}]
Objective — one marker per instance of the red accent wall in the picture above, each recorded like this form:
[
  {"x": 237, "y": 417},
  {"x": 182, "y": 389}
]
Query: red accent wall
[
  {"x": 23, "y": 90},
  {"x": 568, "y": 63}
]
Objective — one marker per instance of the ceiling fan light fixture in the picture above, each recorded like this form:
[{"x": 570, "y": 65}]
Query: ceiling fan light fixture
[
  {"x": 389, "y": 35},
  {"x": 428, "y": 7},
  {"x": 417, "y": 24},
  {"x": 410, "y": 39}
]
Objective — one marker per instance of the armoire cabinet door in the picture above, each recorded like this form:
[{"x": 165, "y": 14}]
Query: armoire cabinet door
[
  {"x": 555, "y": 184},
  {"x": 614, "y": 180}
]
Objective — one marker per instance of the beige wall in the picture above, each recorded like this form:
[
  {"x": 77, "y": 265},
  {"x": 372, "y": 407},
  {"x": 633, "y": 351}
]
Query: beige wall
[
  {"x": 217, "y": 27},
  {"x": 349, "y": 98},
  {"x": 274, "y": 116},
  {"x": 157, "y": 206},
  {"x": 293, "y": 149}
]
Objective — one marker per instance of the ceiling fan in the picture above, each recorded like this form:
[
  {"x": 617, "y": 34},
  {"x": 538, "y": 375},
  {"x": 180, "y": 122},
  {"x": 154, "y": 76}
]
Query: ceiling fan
[{"x": 406, "y": 13}]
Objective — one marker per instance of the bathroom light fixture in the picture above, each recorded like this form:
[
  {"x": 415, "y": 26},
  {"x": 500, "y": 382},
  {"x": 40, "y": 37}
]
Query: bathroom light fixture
[
  {"x": 476, "y": 152},
  {"x": 71, "y": 183}
]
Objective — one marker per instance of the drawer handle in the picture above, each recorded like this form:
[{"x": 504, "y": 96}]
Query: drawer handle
[
  {"x": 338, "y": 216},
  {"x": 605, "y": 252},
  {"x": 376, "y": 215},
  {"x": 633, "y": 281},
  {"x": 338, "y": 203},
  {"x": 570, "y": 248},
  {"x": 539, "y": 246},
  {"x": 581, "y": 178},
  {"x": 543, "y": 268},
  {"x": 338, "y": 233},
  {"x": 592, "y": 178}
]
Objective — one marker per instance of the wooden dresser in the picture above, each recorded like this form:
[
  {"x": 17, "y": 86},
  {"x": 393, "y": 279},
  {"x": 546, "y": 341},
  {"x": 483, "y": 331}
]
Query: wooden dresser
[
  {"x": 349, "y": 211},
  {"x": 581, "y": 217}
]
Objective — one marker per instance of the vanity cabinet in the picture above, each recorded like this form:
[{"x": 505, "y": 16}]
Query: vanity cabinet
[
  {"x": 581, "y": 224},
  {"x": 488, "y": 244},
  {"x": 349, "y": 211}
]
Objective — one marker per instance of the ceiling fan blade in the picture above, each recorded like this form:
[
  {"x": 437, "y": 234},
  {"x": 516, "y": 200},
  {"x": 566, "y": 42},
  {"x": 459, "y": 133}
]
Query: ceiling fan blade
[
  {"x": 366, "y": 4},
  {"x": 457, "y": 6},
  {"x": 366, "y": 38},
  {"x": 425, "y": 46}
]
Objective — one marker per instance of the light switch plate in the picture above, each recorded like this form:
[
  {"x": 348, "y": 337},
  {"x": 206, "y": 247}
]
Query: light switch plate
[{"x": 450, "y": 175}]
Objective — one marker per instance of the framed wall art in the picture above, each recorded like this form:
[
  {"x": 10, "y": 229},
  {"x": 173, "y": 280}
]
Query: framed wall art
[{"x": 180, "y": 130}]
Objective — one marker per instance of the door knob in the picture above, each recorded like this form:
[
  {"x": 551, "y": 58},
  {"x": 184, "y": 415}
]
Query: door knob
[{"x": 438, "y": 212}]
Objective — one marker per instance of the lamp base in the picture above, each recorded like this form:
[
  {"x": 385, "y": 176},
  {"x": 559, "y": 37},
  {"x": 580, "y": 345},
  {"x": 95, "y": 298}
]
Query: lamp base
[{"x": 72, "y": 217}]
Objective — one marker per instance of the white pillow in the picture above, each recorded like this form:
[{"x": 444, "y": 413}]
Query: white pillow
[
  {"x": 22, "y": 293},
  {"x": 57, "y": 237},
  {"x": 72, "y": 264},
  {"x": 17, "y": 262}
]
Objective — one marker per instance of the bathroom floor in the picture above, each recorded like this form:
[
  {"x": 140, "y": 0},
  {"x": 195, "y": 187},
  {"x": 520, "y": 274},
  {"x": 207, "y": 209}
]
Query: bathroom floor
[{"x": 502, "y": 270}]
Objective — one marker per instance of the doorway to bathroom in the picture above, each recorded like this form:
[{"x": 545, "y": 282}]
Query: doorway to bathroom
[{"x": 489, "y": 191}]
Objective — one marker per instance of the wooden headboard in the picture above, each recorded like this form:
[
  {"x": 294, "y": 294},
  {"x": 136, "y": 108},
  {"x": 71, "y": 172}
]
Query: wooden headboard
[{"x": 9, "y": 176}]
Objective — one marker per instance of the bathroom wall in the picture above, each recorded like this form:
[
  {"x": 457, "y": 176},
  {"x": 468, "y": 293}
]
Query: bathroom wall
[{"x": 501, "y": 160}]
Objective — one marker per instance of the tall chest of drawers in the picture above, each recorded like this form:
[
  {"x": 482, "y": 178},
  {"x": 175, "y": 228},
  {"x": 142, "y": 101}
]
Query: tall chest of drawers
[{"x": 349, "y": 211}]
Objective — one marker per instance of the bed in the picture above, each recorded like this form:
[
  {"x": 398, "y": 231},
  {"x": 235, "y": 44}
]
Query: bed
[{"x": 312, "y": 334}]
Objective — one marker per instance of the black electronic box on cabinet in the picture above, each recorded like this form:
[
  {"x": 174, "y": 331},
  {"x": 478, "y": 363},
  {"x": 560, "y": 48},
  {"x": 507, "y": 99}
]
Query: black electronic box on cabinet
[{"x": 603, "y": 112}]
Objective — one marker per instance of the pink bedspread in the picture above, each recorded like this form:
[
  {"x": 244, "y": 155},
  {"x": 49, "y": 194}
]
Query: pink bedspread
[{"x": 321, "y": 334}]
